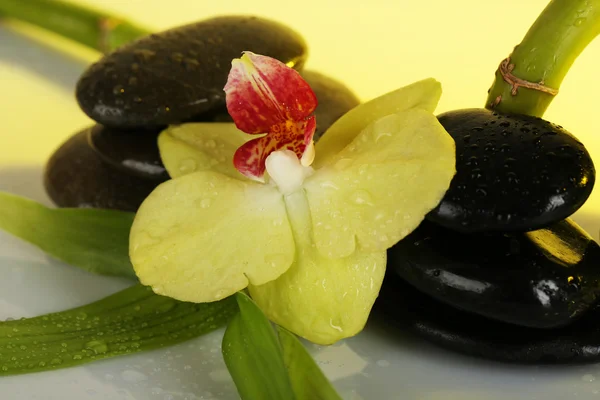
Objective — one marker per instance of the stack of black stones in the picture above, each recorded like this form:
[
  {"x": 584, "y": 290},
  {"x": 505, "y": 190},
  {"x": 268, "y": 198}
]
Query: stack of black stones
[
  {"x": 172, "y": 77},
  {"x": 497, "y": 269}
]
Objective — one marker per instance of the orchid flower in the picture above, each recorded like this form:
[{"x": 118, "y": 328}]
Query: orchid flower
[{"x": 303, "y": 227}]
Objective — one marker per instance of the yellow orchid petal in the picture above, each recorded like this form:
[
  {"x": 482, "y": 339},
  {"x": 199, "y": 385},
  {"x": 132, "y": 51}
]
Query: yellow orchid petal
[
  {"x": 380, "y": 187},
  {"x": 320, "y": 299},
  {"x": 423, "y": 95},
  {"x": 204, "y": 236},
  {"x": 188, "y": 148}
]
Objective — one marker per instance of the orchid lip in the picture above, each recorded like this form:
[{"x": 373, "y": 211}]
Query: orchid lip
[{"x": 265, "y": 96}]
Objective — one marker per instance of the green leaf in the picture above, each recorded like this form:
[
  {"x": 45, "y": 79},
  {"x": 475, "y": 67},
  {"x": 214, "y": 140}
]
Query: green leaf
[
  {"x": 265, "y": 368},
  {"x": 253, "y": 356},
  {"x": 91, "y": 239},
  {"x": 131, "y": 321},
  {"x": 308, "y": 381}
]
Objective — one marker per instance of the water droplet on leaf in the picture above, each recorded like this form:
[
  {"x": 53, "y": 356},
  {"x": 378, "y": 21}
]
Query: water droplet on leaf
[{"x": 97, "y": 346}]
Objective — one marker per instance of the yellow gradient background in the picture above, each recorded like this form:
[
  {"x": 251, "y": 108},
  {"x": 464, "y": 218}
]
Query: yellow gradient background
[{"x": 373, "y": 46}]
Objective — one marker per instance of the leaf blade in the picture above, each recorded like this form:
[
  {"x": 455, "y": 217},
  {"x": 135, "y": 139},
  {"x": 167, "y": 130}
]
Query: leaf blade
[
  {"x": 253, "y": 357},
  {"x": 308, "y": 381},
  {"x": 91, "y": 239},
  {"x": 130, "y": 321}
]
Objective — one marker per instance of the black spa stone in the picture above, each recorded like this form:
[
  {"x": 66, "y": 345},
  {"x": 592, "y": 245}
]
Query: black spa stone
[
  {"x": 176, "y": 75},
  {"x": 76, "y": 176},
  {"x": 514, "y": 173},
  {"x": 403, "y": 308},
  {"x": 134, "y": 152},
  {"x": 543, "y": 279}
]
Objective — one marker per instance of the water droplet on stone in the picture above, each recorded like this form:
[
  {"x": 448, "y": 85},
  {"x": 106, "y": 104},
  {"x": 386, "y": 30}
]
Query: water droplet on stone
[{"x": 118, "y": 89}]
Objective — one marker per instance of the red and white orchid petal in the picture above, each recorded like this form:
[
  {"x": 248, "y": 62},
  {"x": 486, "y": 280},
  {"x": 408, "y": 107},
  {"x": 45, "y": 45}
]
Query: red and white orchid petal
[
  {"x": 262, "y": 92},
  {"x": 250, "y": 158}
]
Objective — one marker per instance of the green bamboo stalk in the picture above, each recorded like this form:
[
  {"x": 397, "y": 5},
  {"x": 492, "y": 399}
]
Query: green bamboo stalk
[
  {"x": 528, "y": 80},
  {"x": 96, "y": 29}
]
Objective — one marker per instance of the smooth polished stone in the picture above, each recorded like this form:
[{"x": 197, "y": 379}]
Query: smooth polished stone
[
  {"x": 402, "y": 307},
  {"x": 179, "y": 74},
  {"x": 76, "y": 176},
  {"x": 134, "y": 152},
  {"x": 543, "y": 279},
  {"x": 514, "y": 173}
]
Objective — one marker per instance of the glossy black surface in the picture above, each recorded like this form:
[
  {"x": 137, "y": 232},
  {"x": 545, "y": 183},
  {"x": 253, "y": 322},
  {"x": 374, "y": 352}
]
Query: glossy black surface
[
  {"x": 177, "y": 75},
  {"x": 134, "y": 152},
  {"x": 514, "y": 173},
  {"x": 76, "y": 176},
  {"x": 334, "y": 100},
  {"x": 543, "y": 279},
  {"x": 401, "y": 306}
]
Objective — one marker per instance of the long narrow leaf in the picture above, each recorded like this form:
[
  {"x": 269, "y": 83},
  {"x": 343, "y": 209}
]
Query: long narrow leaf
[
  {"x": 91, "y": 239},
  {"x": 308, "y": 381},
  {"x": 131, "y": 321},
  {"x": 253, "y": 356}
]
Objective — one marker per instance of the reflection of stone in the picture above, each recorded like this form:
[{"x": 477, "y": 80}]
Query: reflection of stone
[{"x": 338, "y": 362}]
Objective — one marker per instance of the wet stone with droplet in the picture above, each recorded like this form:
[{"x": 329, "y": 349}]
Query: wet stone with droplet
[
  {"x": 77, "y": 176},
  {"x": 404, "y": 309},
  {"x": 176, "y": 75},
  {"x": 514, "y": 173},
  {"x": 542, "y": 279},
  {"x": 134, "y": 152}
]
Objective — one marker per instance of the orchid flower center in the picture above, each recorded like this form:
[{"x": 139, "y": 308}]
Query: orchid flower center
[
  {"x": 264, "y": 96},
  {"x": 286, "y": 171}
]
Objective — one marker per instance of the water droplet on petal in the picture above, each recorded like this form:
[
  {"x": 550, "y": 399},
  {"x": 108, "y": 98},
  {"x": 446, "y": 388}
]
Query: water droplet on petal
[
  {"x": 343, "y": 163},
  {"x": 205, "y": 203},
  {"x": 275, "y": 260},
  {"x": 278, "y": 222},
  {"x": 187, "y": 166},
  {"x": 329, "y": 185},
  {"x": 361, "y": 197}
]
